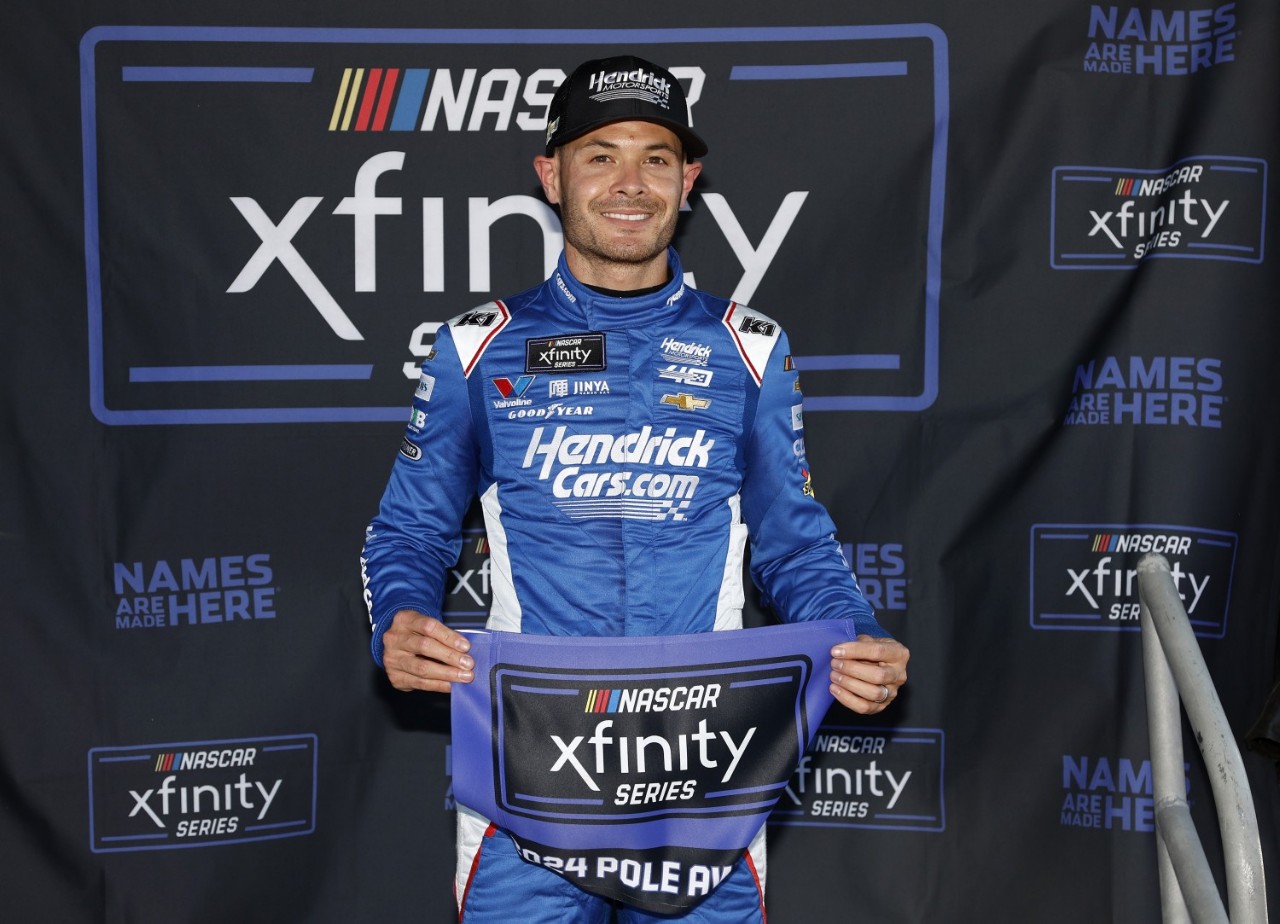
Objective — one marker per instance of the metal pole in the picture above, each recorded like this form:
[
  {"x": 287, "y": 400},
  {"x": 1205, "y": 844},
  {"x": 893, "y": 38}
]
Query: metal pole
[
  {"x": 1164, "y": 718},
  {"x": 1242, "y": 845}
]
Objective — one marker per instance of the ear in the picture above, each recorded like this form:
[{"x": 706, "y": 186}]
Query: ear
[
  {"x": 691, "y": 171},
  {"x": 549, "y": 177}
]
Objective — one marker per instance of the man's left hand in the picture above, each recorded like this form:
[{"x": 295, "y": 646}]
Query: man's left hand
[{"x": 866, "y": 674}]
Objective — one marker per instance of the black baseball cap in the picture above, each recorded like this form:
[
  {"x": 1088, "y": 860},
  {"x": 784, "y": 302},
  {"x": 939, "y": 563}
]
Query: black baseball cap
[{"x": 619, "y": 89}]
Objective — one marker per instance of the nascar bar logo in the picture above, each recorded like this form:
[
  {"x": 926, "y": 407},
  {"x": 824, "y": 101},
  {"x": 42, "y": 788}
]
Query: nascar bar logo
[
  {"x": 677, "y": 742},
  {"x": 867, "y": 777},
  {"x": 377, "y": 99},
  {"x": 201, "y": 793},
  {"x": 1084, "y": 577},
  {"x": 377, "y": 203},
  {"x": 1200, "y": 208}
]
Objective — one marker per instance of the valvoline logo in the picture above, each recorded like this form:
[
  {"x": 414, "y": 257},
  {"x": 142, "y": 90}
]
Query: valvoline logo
[{"x": 516, "y": 389}]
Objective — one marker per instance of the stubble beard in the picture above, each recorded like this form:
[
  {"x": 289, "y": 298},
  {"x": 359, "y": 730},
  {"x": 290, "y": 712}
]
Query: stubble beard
[{"x": 579, "y": 233}]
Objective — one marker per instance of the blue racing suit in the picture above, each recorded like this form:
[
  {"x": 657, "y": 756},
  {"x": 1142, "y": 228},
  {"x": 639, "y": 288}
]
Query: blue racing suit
[{"x": 622, "y": 450}]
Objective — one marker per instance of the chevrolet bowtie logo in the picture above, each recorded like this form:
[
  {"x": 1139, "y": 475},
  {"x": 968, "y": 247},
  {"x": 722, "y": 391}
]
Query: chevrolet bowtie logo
[{"x": 687, "y": 402}]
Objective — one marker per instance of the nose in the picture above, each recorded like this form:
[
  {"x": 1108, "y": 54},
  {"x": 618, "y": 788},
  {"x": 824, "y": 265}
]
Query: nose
[{"x": 629, "y": 180}]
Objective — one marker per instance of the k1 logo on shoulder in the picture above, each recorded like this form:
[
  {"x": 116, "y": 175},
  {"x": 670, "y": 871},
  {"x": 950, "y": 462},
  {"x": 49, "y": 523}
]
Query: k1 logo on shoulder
[
  {"x": 638, "y": 768},
  {"x": 201, "y": 793},
  {"x": 1084, "y": 576},
  {"x": 1200, "y": 208}
]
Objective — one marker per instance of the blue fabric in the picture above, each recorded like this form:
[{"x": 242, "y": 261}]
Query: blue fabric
[{"x": 616, "y": 490}]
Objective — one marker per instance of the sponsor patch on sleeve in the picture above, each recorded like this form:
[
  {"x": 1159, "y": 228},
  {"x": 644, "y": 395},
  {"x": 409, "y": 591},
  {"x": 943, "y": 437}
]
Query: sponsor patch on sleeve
[{"x": 410, "y": 450}]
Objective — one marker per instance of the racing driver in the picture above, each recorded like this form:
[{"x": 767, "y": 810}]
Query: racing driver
[{"x": 624, "y": 433}]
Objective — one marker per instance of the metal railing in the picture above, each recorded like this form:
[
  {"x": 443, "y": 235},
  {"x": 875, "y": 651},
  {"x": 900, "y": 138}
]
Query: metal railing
[{"x": 1175, "y": 671}]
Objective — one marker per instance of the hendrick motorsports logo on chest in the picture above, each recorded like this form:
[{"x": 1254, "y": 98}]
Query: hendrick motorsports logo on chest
[
  {"x": 579, "y": 353},
  {"x": 1084, "y": 576},
  {"x": 200, "y": 793}
]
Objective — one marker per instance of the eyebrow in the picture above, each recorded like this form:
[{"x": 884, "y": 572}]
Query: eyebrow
[{"x": 613, "y": 146}]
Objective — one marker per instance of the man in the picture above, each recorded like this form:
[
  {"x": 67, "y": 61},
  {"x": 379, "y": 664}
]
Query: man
[{"x": 624, "y": 432}]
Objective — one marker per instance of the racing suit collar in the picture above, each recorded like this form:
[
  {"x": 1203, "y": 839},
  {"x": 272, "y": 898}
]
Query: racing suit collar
[{"x": 609, "y": 311}]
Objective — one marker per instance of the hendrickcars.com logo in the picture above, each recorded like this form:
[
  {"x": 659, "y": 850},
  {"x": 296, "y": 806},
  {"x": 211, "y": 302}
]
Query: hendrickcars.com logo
[
  {"x": 318, "y": 201},
  {"x": 201, "y": 793}
]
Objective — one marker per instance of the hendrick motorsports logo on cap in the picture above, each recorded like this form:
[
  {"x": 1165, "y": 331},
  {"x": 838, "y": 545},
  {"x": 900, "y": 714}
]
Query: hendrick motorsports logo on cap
[{"x": 605, "y": 86}]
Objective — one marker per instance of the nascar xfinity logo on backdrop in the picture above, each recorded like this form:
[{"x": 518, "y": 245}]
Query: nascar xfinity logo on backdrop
[
  {"x": 1084, "y": 577},
  {"x": 348, "y": 245},
  {"x": 1200, "y": 208},
  {"x": 854, "y": 777},
  {"x": 1154, "y": 391},
  {"x": 1160, "y": 41},
  {"x": 199, "y": 793},
  {"x": 1107, "y": 794},
  {"x": 193, "y": 591}
]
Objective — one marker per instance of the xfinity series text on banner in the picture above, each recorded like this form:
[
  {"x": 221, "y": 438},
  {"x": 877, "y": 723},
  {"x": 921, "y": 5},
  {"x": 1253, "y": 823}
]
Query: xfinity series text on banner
[{"x": 638, "y": 768}]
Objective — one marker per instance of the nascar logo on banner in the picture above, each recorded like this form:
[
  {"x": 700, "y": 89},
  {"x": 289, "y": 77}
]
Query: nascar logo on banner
[{"x": 639, "y": 768}]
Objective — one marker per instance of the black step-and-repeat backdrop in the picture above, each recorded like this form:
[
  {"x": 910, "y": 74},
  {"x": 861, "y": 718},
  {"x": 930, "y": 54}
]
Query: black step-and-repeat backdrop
[{"x": 1022, "y": 250}]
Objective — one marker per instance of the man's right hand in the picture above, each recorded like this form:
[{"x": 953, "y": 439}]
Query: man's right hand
[{"x": 422, "y": 653}]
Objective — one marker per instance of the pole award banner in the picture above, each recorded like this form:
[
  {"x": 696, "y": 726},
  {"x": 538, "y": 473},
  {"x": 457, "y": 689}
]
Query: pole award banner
[{"x": 639, "y": 768}]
